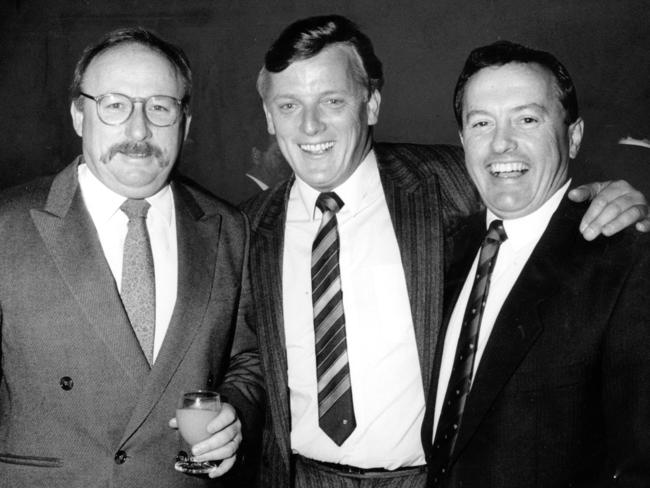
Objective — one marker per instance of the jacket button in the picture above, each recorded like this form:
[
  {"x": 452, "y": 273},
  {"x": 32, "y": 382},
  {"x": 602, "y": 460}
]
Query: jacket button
[
  {"x": 66, "y": 383},
  {"x": 120, "y": 457}
]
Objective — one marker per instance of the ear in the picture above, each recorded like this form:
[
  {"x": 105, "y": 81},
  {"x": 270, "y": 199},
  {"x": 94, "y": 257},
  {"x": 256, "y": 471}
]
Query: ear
[
  {"x": 460, "y": 136},
  {"x": 575, "y": 137},
  {"x": 270, "y": 127},
  {"x": 77, "y": 118},
  {"x": 188, "y": 120},
  {"x": 372, "y": 107}
]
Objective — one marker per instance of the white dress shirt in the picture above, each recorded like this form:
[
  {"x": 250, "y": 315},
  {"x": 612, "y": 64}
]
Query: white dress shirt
[
  {"x": 384, "y": 367},
  {"x": 523, "y": 235},
  {"x": 103, "y": 205}
]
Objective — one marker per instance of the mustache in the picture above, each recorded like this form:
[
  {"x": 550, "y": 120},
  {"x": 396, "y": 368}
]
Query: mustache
[{"x": 135, "y": 149}]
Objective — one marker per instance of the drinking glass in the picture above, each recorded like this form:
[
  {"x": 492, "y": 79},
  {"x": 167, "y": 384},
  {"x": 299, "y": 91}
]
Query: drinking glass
[{"x": 194, "y": 412}]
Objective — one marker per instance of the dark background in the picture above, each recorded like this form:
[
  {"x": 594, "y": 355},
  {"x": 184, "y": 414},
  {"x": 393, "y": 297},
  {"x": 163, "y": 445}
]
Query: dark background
[{"x": 423, "y": 44}]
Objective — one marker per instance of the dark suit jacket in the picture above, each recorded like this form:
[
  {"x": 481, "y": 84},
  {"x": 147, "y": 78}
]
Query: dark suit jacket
[
  {"x": 561, "y": 396},
  {"x": 79, "y": 404},
  {"x": 427, "y": 189}
]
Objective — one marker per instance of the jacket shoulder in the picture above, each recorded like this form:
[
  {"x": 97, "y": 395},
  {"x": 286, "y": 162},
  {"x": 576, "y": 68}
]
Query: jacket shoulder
[
  {"x": 20, "y": 198},
  {"x": 203, "y": 200},
  {"x": 267, "y": 205}
]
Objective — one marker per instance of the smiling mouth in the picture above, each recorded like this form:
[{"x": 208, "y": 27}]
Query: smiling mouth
[
  {"x": 320, "y": 148},
  {"x": 508, "y": 170},
  {"x": 137, "y": 155}
]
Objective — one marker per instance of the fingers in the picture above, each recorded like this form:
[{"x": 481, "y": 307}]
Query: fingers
[
  {"x": 223, "y": 467},
  {"x": 616, "y": 206},
  {"x": 624, "y": 219},
  {"x": 643, "y": 225},
  {"x": 226, "y": 416},
  {"x": 225, "y": 440},
  {"x": 221, "y": 445},
  {"x": 586, "y": 192}
]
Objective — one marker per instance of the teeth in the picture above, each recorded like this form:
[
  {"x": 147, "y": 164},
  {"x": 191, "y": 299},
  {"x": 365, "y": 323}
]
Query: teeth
[
  {"x": 497, "y": 169},
  {"x": 317, "y": 148}
]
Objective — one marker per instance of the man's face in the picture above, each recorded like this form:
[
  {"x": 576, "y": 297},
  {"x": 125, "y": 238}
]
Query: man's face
[
  {"x": 135, "y": 158},
  {"x": 517, "y": 145},
  {"x": 321, "y": 116}
]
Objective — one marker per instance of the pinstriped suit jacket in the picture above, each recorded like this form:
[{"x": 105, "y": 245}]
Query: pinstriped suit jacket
[{"x": 427, "y": 190}]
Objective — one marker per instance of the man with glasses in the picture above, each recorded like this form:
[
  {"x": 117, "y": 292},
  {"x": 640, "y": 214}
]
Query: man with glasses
[{"x": 121, "y": 288}]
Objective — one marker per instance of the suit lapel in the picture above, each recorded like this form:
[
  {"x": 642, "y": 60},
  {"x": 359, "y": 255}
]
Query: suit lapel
[
  {"x": 71, "y": 238},
  {"x": 197, "y": 255},
  {"x": 266, "y": 256},
  {"x": 415, "y": 212},
  {"x": 522, "y": 318},
  {"x": 465, "y": 245}
]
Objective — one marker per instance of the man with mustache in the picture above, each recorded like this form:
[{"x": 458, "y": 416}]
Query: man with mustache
[
  {"x": 541, "y": 377},
  {"x": 120, "y": 288},
  {"x": 348, "y": 262}
]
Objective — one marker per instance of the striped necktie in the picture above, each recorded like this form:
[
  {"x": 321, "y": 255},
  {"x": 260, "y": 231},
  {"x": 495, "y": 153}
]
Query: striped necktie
[
  {"x": 335, "y": 408},
  {"x": 460, "y": 380},
  {"x": 138, "y": 290}
]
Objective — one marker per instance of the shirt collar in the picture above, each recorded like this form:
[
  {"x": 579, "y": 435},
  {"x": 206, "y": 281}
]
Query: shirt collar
[
  {"x": 529, "y": 228},
  {"x": 355, "y": 191},
  {"x": 103, "y": 203}
]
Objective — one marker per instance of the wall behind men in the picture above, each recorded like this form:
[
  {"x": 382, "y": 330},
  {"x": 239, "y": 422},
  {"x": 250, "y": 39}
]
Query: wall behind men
[{"x": 422, "y": 43}]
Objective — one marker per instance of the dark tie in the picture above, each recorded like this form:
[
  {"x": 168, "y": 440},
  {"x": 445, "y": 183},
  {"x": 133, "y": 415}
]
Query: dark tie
[
  {"x": 335, "y": 408},
  {"x": 138, "y": 281},
  {"x": 460, "y": 380}
]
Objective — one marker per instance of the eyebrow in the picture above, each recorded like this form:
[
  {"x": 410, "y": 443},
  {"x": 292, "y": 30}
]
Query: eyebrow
[
  {"x": 329, "y": 93},
  {"x": 518, "y": 108}
]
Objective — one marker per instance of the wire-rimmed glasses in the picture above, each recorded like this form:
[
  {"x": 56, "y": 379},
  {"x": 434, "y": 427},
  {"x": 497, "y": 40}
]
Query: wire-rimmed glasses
[{"x": 116, "y": 108}]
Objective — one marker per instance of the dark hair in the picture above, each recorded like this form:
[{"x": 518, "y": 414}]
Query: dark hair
[
  {"x": 504, "y": 52},
  {"x": 307, "y": 37},
  {"x": 134, "y": 35}
]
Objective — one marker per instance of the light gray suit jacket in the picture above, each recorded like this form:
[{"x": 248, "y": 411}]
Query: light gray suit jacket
[{"x": 79, "y": 404}]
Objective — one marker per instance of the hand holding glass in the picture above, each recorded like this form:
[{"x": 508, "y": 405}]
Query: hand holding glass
[{"x": 195, "y": 411}]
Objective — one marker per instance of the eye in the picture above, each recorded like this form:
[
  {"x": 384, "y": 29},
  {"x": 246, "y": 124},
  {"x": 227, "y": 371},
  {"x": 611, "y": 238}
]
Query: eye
[
  {"x": 287, "y": 107},
  {"x": 479, "y": 124},
  {"x": 334, "y": 102},
  {"x": 115, "y": 106},
  {"x": 528, "y": 120},
  {"x": 159, "y": 108}
]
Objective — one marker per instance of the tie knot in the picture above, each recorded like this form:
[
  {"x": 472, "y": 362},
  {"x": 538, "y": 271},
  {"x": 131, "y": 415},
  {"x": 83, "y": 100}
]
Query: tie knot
[
  {"x": 496, "y": 232},
  {"x": 135, "y": 208},
  {"x": 329, "y": 201}
]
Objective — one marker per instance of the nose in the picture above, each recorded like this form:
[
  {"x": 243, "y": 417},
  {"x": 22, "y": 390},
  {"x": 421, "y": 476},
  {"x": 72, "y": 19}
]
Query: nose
[
  {"x": 312, "y": 123},
  {"x": 137, "y": 126},
  {"x": 503, "y": 139}
]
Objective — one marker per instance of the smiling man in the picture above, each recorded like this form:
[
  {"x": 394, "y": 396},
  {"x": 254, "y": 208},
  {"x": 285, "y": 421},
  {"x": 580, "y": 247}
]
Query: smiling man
[
  {"x": 120, "y": 288},
  {"x": 348, "y": 262},
  {"x": 542, "y": 377}
]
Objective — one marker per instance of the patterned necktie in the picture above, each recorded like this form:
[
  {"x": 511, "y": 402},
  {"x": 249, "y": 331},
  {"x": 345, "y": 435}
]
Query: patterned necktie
[
  {"x": 138, "y": 281},
  {"x": 335, "y": 408},
  {"x": 460, "y": 380}
]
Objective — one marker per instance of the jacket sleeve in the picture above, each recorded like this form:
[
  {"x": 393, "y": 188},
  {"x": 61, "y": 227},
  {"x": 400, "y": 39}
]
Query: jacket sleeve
[
  {"x": 626, "y": 377},
  {"x": 243, "y": 385}
]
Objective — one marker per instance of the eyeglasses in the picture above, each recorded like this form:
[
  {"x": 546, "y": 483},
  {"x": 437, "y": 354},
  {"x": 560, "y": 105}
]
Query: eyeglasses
[{"x": 116, "y": 108}]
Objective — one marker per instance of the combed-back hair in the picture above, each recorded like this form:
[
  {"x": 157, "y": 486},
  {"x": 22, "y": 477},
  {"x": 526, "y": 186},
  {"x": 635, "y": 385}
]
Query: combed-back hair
[
  {"x": 307, "y": 37},
  {"x": 503, "y": 52}
]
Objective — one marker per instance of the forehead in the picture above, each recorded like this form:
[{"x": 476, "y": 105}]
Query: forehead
[
  {"x": 510, "y": 86},
  {"x": 132, "y": 69},
  {"x": 332, "y": 69}
]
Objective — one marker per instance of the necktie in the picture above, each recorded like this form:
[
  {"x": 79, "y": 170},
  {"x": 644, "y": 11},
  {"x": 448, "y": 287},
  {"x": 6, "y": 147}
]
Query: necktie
[
  {"x": 335, "y": 408},
  {"x": 138, "y": 283},
  {"x": 460, "y": 380}
]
